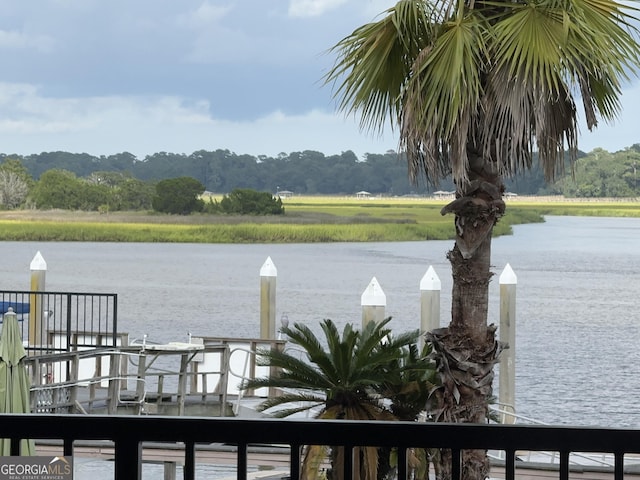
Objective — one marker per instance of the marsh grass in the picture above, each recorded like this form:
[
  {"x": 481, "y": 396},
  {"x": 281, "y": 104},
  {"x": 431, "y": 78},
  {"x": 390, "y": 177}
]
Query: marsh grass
[{"x": 306, "y": 220}]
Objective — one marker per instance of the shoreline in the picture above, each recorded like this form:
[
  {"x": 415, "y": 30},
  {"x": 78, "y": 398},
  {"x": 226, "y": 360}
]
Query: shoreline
[{"x": 306, "y": 220}]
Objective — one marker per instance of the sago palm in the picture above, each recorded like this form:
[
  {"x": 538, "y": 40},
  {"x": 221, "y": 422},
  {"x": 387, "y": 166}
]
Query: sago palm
[
  {"x": 341, "y": 378},
  {"x": 474, "y": 89}
]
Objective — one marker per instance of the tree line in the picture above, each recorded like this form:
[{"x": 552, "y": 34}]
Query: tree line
[{"x": 122, "y": 182}]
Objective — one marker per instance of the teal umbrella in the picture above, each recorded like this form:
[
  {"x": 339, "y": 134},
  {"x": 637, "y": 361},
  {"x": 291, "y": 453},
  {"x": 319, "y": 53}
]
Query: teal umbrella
[{"x": 14, "y": 379}]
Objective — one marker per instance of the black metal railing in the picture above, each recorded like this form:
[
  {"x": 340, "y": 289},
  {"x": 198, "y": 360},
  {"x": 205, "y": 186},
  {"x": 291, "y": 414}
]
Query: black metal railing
[
  {"x": 63, "y": 321},
  {"x": 130, "y": 436}
]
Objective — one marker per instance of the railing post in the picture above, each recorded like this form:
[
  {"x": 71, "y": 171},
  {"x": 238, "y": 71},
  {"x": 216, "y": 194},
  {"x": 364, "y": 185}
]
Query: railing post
[
  {"x": 224, "y": 379},
  {"x": 140, "y": 378},
  {"x": 128, "y": 459},
  {"x": 402, "y": 463},
  {"x": 430, "y": 287},
  {"x": 73, "y": 377},
  {"x": 349, "y": 451},
  {"x": 182, "y": 382},
  {"x": 268, "y": 277},
  {"x": 189, "y": 469},
  {"x": 114, "y": 339},
  {"x": 241, "y": 473},
  {"x": 456, "y": 464},
  {"x": 508, "y": 282},
  {"x": 373, "y": 302},
  {"x": 68, "y": 322},
  {"x": 294, "y": 462},
  {"x": 114, "y": 383},
  {"x": 510, "y": 465}
]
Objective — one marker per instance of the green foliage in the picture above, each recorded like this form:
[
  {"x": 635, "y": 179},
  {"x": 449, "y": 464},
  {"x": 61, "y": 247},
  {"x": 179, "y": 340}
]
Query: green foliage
[
  {"x": 179, "y": 196},
  {"x": 244, "y": 201},
  {"x": 134, "y": 194},
  {"x": 347, "y": 376},
  {"x": 307, "y": 172},
  {"x": 58, "y": 189},
  {"x": 62, "y": 189},
  {"x": 603, "y": 174}
]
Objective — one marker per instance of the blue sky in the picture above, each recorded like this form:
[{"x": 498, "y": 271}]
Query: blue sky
[{"x": 146, "y": 76}]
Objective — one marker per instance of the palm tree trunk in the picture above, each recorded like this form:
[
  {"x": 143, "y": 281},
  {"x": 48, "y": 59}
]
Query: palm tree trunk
[{"x": 467, "y": 350}]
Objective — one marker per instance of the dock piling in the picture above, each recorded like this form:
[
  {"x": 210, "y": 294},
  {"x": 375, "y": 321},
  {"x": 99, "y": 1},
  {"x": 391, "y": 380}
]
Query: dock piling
[{"x": 268, "y": 277}]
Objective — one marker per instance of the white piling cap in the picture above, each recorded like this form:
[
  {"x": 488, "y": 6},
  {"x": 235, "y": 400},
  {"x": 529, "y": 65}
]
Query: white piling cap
[
  {"x": 38, "y": 262},
  {"x": 508, "y": 276},
  {"x": 268, "y": 269},
  {"x": 373, "y": 295},
  {"x": 430, "y": 281}
]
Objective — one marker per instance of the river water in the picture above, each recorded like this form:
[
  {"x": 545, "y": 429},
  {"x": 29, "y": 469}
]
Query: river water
[{"x": 578, "y": 293}]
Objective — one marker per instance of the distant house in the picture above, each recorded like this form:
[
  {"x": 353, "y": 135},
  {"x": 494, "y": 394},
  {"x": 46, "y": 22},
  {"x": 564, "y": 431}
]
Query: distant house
[
  {"x": 284, "y": 194},
  {"x": 442, "y": 195},
  {"x": 363, "y": 194}
]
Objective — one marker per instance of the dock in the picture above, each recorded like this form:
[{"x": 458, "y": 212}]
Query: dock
[{"x": 198, "y": 378}]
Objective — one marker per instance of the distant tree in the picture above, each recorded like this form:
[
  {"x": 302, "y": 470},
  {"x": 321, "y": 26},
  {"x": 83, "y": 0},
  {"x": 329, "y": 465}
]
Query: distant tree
[
  {"x": 58, "y": 189},
  {"x": 244, "y": 201},
  {"x": 110, "y": 179},
  {"x": 15, "y": 183},
  {"x": 179, "y": 196},
  {"x": 134, "y": 194},
  {"x": 602, "y": 174},
  {"x": 81, "y": 164}
]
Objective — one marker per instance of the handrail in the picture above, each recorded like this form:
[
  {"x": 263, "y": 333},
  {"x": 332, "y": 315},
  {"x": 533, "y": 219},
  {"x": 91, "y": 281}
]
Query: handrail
[
  {"x": 130, "y": 433},
  {"x": 242, "y": 376}
]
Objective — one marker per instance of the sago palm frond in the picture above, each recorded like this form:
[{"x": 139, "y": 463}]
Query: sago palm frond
[
  {"x": 293, "y": 372},
  {"x": 302, "y": 336}
]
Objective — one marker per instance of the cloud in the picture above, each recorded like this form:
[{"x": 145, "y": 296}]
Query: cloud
[
  {"x": 144, "y": 125},
  {"x": 312, "y": 8},
  {"x": 19, "y": 40},
  {"x": 204, "y": 15}
]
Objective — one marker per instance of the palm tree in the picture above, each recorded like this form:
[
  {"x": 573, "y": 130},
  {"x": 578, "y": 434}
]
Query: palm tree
[
  {"x": 474, "y": 87},
  {"x": 343, "y": 380}
]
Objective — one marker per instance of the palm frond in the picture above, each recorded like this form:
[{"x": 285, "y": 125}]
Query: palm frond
[
  {"x": 543, "y": 53},
  {"x": 374, "y": 62},
  {"x": 302, "y": 336},
  {"x": 442, "y": 95},
  {"x": 306, "y": 399}
]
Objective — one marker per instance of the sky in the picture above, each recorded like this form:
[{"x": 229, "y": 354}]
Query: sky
[{"x": 148, "y": 76}]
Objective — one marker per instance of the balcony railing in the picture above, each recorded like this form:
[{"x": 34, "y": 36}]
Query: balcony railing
[
  {"x": 130, "y": 435},
  {"x": 63, "y": 321}
]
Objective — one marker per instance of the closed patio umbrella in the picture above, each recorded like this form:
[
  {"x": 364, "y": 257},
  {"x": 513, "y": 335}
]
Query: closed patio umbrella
[{"x": 14, "y": 379}]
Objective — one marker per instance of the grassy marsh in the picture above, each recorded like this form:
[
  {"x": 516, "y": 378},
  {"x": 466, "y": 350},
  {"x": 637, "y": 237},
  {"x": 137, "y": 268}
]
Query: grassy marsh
[{"x": 306, "y": 220}]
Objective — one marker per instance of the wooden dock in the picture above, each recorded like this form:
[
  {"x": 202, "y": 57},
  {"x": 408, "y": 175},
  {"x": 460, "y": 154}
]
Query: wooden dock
[{"x": 147, "y": 379}]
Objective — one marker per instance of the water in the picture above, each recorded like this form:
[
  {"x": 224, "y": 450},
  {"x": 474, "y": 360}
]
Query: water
[{"x": 577, "y": 299}]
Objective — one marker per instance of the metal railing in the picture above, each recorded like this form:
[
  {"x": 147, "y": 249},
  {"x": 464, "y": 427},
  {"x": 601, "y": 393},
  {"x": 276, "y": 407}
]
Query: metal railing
[
  {"x": 130, "y": 435},
  {"x": 63, "y": 321},
  {"x": 109, "y": 380}
]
